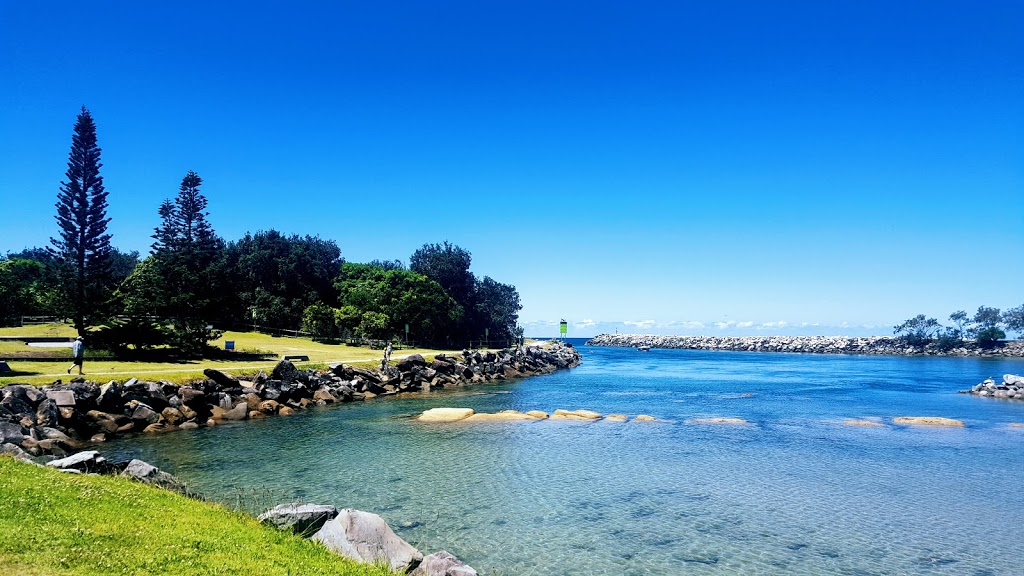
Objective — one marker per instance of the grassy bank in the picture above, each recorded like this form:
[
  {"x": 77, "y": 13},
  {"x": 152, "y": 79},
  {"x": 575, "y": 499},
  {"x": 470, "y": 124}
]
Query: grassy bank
[
  {"x": 184, "y": 371},
  {"x": 55, "y": 523}
]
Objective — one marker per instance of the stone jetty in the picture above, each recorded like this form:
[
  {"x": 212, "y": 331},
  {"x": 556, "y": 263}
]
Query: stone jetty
[
  {"x": 1011, "y": 388},
  {"x": 60, "y": 419},
  {"x": 876, "y": 345}
]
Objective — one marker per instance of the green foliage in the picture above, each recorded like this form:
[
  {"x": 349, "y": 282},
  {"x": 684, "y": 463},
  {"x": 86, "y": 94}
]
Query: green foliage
[
  {"x": 275, "y": 277},
  {"x": 1014, "y": 319},
  {"x": 183, "y": 278},
  {"x": 119, "y": 334},
  {"x": 82, "y": 243},
  {"x": 319, "y": 320},
  {"x": 21, "y": 289},
  {"x": 403, "y": 297},
  {"x": 985, "y": 327},
  {"x": 496, "y": 308},
  {"x": 347, "y": 318},
  {"x": 448, "y": 265},
  {"x": 375, "y": 325},
  {"x": 489, "y": 306},
  {"x": 917, "y": 331}
]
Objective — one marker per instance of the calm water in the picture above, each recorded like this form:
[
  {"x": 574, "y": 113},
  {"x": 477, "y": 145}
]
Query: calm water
[{"x": 797, "y": 492}]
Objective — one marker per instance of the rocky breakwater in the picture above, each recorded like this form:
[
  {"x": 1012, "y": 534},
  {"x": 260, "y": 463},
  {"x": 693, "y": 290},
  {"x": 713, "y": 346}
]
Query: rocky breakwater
[
  {"x": 878, "y": 345},
  {"x": 1011, "y": 388},
  {"x": 60, "y": 419}
]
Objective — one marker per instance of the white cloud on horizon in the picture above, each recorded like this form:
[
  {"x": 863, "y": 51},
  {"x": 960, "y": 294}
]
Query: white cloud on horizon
[
  {"x": 746, "y": 324},
  {"x": 640, "y": 323}
]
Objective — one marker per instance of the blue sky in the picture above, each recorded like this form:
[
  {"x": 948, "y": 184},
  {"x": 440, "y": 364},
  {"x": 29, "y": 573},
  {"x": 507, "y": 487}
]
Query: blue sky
[{"x": 688, "y": 167}]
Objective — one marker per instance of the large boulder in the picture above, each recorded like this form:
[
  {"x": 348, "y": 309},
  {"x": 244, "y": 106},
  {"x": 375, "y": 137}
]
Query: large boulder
[
  {"x": 302, "y": 519},
  {"x": 442, "y": 564},
  {"x": 10, "y": 432},
  {"x": 47, "y": 414},
  {"x": 445, "y": 414},
  {"x": 366, "y": 537},
  {"x": 15, "y": 451},
  {"x": 239, "y": 412},
  {"x": 222, "y": 379},
  {"x": 88, "y": 461},
  {"x": 62, "y": 398},
  {"x": 406, "y": 364},
  {"x": 109, "y": 399},
  {"x": 147, "y": 473},
  {"x": 285, "y": 371}
]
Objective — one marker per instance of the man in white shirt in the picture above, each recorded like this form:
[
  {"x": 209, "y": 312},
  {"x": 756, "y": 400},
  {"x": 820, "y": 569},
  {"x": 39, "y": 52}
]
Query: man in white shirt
[{"x": 78, "y": 351}]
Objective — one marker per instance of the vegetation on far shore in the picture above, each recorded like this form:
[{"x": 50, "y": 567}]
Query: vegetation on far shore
[
  {"x": 54, "y": 523},
  {"x": 985, "y": 328}
]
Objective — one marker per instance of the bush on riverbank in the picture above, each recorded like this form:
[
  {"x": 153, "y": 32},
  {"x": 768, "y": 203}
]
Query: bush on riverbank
[{"x": 56, "y": 523}]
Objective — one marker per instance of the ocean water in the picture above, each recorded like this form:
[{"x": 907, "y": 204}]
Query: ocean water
[{"x": 794, "y": 492}]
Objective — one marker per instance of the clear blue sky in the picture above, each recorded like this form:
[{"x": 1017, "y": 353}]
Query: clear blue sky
[{"x": 652, "y": 166}]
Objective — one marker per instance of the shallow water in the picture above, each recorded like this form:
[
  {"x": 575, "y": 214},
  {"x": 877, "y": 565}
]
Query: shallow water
[{"x": 794, "y": 492}]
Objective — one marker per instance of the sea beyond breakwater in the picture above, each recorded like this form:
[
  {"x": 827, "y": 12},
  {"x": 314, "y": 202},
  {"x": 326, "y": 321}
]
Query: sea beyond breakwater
[{"x": 875, "y": 345}]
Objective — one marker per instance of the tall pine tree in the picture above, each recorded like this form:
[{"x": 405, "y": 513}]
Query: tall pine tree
[
  {"x": 185, "y": 251},
  {"x": 83, "y": 245}
]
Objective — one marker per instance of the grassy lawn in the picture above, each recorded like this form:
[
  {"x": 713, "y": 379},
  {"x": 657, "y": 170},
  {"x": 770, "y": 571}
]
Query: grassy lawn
[
  {"x": 52, "y": 523},
  {"x": 102, "y": 370},
  {"x": 49, "y": 330}
]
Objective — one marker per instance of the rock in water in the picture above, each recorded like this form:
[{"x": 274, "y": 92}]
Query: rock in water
[
  {"x": 302, "y": 519},
  {"x": 445, "y": 414},
  {"x": 928, "y": 421},
  {"x": 366, "y": 537},
  {"x": 147, "y": 473},
  {"x": 443, "y": 564}
]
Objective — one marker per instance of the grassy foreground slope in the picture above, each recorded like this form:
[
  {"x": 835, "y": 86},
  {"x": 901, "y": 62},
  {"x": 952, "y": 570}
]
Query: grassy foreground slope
[{"x": 56, "y": 523}]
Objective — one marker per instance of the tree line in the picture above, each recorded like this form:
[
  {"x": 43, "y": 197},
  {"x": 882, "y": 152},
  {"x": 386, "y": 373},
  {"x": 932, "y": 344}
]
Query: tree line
[
  {"x": 193, "y": 280},
  {"x": 985, "y": 328}
]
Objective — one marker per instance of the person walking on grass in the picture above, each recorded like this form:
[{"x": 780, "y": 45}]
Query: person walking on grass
[{"x": 78, "y": 351}]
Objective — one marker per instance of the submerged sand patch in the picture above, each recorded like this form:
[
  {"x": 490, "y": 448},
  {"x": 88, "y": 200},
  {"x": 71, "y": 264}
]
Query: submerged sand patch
[
  {"x": 860, "y": 422},
  {"x": 928, "y": 421},
  {"x": 717, "y": 421}
]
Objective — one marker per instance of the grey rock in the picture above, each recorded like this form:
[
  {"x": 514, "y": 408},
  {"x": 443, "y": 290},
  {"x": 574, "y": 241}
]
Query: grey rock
[
  {"x": 443, "y": 564},
  {"x": 109, "y": 399},
  {"x": 87, "y": 461},
  {"x": 285, "y": 371},
  {"x": 366, "y": 537},
  {"x": 302, "y": 519},
  {"x": 143, "y": 413},
  {"x": 15, "y": 451},
  {"x": 221, "y": 378},
  {"x": 47, "y": 414},
  {"x": 10, "y": 433},
  {"x": 408, "y": 362},
  {"x": 147, "y": 473}
]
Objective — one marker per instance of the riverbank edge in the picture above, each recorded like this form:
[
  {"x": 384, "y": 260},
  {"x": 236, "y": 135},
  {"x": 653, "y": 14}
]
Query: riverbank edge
[
  {"x": 60, "y": 419},
  {"x": 867, "y": 345},
  {"x": 116, "y": 532}
]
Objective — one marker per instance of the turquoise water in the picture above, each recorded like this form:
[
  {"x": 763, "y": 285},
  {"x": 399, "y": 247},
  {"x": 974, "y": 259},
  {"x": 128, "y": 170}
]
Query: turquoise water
[{"x": 795, "y": 492}]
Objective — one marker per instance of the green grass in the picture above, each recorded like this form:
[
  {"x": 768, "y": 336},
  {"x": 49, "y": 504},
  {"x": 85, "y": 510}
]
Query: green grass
[
  {"x": 49, "y": 330},
  {"x": 52, "y": 523},
  {"x": 320, "y": 355}
]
